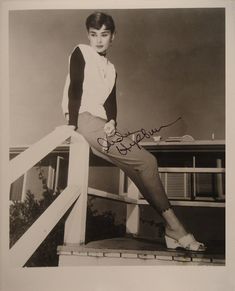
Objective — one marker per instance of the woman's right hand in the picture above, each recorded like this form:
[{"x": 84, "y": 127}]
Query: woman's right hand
[{"x": 109, "y": 128}]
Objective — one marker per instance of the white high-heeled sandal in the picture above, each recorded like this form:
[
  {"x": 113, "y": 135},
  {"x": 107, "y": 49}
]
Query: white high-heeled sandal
[{"x": 187, "y": 242}]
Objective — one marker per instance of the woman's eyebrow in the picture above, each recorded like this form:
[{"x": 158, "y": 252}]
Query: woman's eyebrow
[{"x": 95, "y": 31}]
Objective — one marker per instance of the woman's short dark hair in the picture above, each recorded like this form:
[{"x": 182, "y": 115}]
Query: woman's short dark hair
[{"x": 98, "y": 19}]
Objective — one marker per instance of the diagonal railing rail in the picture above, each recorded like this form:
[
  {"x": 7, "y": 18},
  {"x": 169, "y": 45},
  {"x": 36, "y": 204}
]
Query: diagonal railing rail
[
  {"x": 76, "y": 188},
  {"x": 34, "y": 236},
  {"x": 27, "y": 159}
]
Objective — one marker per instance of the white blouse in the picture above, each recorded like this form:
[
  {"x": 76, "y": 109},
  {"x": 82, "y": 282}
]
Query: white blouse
[{"x": 99, "y": 79}]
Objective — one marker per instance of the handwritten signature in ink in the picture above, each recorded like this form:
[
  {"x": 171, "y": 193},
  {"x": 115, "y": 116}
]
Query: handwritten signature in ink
[{"x": 139, "y": 135}]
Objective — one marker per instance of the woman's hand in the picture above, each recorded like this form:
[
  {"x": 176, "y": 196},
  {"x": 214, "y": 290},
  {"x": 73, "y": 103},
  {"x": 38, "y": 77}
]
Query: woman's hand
[{"x": 109, "y": 128}]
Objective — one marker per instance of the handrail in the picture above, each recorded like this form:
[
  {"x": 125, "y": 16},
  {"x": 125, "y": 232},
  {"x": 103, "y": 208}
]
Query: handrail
[
  {"x": 111, "y": 196},
  {"x": 27, "y": 159},
  {"x": 33, "y": 237},
  {"x": 141, "y": 201},
  {"x": 191, "y": 170},
  {"x": 38, "y": 231}
]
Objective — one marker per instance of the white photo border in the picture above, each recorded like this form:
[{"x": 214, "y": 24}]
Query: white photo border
[{"x": 119, "y": 278}]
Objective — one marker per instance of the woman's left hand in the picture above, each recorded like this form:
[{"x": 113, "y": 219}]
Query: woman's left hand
[{"x": 109, "y": 128}]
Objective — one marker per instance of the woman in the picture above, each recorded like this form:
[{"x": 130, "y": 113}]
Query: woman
[{"x": 90, "y": 106}]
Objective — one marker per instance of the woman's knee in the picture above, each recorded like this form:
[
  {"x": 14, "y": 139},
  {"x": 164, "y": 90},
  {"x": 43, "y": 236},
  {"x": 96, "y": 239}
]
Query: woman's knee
[{"x": 151, "y": 162}]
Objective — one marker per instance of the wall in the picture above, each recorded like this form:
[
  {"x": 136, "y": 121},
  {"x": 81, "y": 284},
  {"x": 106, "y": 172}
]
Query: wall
[{"x": 170, "y": 63}]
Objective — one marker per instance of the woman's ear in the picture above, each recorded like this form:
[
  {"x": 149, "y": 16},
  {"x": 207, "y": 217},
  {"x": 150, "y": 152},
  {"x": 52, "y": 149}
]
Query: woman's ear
[{"x": 113, "y": 36}]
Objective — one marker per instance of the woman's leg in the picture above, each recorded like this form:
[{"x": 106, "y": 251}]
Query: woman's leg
[
  {"x": 174, "y": 227},
  {"x": 139, "y": 165}
]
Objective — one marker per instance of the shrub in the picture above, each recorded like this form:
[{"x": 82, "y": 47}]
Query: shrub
[{"x": 23, "y": 214}]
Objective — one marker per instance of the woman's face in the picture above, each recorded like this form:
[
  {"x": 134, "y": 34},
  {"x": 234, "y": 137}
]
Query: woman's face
[{"x": 100, "y": 39}]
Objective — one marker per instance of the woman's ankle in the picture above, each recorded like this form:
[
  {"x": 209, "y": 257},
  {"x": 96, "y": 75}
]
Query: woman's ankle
[
  {"x": 175, "y": 233},
  {"x": 174, "y": 228}
]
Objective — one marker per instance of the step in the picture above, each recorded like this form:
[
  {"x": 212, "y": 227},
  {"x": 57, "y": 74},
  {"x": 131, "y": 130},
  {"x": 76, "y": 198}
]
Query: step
[{"x": 133, "y": 251}]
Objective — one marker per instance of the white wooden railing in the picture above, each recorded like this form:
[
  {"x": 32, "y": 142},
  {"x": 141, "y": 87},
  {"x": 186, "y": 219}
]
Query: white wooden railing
[{"x": 77, "y": 189}]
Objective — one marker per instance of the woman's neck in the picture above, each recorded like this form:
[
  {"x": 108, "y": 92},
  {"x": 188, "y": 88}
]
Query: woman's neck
[{"x": 103, "y": 54}]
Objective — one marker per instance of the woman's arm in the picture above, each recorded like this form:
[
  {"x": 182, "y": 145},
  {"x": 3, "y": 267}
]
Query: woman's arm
[
  {"x": 77, "y": 65},
  {"x": 110, "y": 105}
]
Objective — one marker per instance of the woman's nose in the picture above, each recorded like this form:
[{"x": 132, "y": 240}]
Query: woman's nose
[{"x": 99, "y": 39}]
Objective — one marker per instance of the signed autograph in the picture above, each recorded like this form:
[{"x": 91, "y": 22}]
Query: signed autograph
[{"x": 117, "y": 139}]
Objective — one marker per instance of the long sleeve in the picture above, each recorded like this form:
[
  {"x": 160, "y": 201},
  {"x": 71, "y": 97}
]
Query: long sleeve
[
  {"x": 110, "y": 105},
  {"x": 77, "y": 65}
]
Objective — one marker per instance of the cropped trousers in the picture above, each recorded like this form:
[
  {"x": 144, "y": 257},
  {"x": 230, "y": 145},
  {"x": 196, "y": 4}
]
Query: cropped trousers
[{"x": 138, "y": 164}]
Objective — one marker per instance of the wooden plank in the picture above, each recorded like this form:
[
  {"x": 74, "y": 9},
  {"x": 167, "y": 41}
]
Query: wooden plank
[
  {"x": 219, "y": 180},
  {"x": 201, "y": 260},
  {"x": 110, "y": 196},
  {"x": 96, "y": 254},
  {"x": 50, "y": 177},
  {"x": 157, "y": 145},
  {"x": 132, "y": 220},
  {"x": 189, "y": 203},
  {"x": 132, "y": 211},
  {"x": 78, "y": 175},
  {"x": 146, "y": 257},
  {"x": 182, "y": 259},
  {"x": 183, "y": 143},
  {"x": 34, "y": 236},
  {"x": 185, "y": 185},
  {"x": 144, "y": 253},
  {"x": 18, "y": 148},
  {"x": 164, "y": 257},
  {"x": 137, "y": 246},
  {"x": 27, "y": 159},
  {"x": 112, "y": 254},
  {"x": 194, "y": 192},
  {"x": 58, "y": 159},
  {"x": 190, "y": 170},
  {"x": 24, "y": 190},
  {"x": 132, "y": 190},
  {"x": 218, "y": 261},
  {"x": 129, "y": 255},
  {"x": 121, "y": 182}
]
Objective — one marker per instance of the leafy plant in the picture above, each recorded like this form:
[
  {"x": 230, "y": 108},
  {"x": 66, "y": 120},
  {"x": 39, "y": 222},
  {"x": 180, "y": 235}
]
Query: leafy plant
[
  {"x": 101, "y": 226},
  {"x": 22, "y": 216},
  {"x": 24, "y": 213},
  {"x": 98, "y": 226}
]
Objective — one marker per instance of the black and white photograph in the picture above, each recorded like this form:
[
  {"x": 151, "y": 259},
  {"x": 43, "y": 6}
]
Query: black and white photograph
[{"x": 116, "y": 140}]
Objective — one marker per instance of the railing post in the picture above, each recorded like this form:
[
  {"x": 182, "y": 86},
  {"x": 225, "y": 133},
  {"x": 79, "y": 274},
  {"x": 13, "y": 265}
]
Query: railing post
[
  {"x": 78, "y": 175},
  {"x": 219, "y": 180},
  {"x": 121, "y": 183},
  {"x": 133, "y": 211}
]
